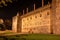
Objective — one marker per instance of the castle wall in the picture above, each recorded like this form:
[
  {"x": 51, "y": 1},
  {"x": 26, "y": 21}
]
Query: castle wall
[
  {"x": 14, "y": 23},
  {"x": 43, "y": 21},
  {"x": 37, "y": 23},
  {"x": 56, "y": 16}
]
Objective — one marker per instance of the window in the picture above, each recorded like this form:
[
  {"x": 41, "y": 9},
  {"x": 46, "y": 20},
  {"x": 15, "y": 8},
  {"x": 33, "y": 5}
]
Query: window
[
  {"x": 27, "y": 18},
  {"x": 41, "y": 10},
  {"x": 35, "y": 16},
  {"x": 47, "y": 13},
  {"x": 30, "y": 17},
  {"x": 40, "y": 15}
]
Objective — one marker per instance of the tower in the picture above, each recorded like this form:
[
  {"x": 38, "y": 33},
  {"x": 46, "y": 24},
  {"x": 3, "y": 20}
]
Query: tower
[{"x": 55, "y": 16}]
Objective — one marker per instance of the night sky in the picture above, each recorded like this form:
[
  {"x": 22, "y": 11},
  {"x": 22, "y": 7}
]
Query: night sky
[{"x": 7, "y": 12}]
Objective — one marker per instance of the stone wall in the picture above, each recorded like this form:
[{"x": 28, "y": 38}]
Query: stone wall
[
  {"x": 37, "y": 23},
  {"x": 14, "y": 23},
  {"x": 56, "y": 16},
  {"x": 43, "y": 20}
]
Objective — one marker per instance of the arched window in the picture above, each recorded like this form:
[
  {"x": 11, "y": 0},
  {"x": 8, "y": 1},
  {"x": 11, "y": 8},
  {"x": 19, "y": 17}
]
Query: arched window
[{"x": 40, "y": 15}]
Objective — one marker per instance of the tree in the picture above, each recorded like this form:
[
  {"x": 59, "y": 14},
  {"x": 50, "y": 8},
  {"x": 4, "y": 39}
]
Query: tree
[{"x": 4, "y": 2}]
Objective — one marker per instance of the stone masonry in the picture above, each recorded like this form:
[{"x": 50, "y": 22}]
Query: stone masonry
[{"x": 42, "y": 20}]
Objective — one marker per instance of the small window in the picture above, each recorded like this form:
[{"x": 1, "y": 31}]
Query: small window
[
  {"x": 47, "y": 13},
  {"x": 35, "y": 16},
  {"x": 40, "y": 15},
  {"x": 27, "y": 18},
  {"x": 41, "y": 11}
]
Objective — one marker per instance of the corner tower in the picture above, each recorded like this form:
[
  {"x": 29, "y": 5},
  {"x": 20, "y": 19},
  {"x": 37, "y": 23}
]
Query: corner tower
[{"x": 55, "y": 16}]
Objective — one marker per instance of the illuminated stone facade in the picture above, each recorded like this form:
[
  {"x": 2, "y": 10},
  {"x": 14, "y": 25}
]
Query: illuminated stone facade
[
  {"x": 14, "y": 24},
  {"x": 42, "y": 20},
  {"x": 37, "y": 22}
]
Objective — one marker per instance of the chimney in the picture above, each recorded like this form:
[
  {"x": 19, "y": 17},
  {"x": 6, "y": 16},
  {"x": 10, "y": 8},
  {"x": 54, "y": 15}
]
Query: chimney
[
  {"x": 42, "y": 3},
  {"x": 48, "y": 2},
  {"x": 27, "y": 10},
  {"x": 23, "y": 12},
  {"x": 17, "y": 13},
  {"x": 34, "y": 6}
]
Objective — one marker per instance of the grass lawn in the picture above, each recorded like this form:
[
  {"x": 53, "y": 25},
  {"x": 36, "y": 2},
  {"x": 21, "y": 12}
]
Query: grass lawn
[{"x": 31, "y": 37}]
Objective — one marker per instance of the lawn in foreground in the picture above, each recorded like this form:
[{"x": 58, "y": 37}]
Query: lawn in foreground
[{"x": 31, "y": 37}]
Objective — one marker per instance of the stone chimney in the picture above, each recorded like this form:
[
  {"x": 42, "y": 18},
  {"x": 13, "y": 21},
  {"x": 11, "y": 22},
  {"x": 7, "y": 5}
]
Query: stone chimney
[
  {"x": 27, "y": 10},
  {"x": 34, "y": 6},
  {"x": 23, "y": 12},
  {"x": 17, "y": 13}
]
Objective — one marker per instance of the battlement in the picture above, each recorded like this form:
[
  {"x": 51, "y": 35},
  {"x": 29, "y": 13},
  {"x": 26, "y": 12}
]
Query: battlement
[
  {"x": 41, "y": 9},
  {"x": 45, "y": 19}
]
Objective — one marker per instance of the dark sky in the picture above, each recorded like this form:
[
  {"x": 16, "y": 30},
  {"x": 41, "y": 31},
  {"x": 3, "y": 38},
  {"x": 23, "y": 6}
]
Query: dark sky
[{"x": 7, "y": 12}]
